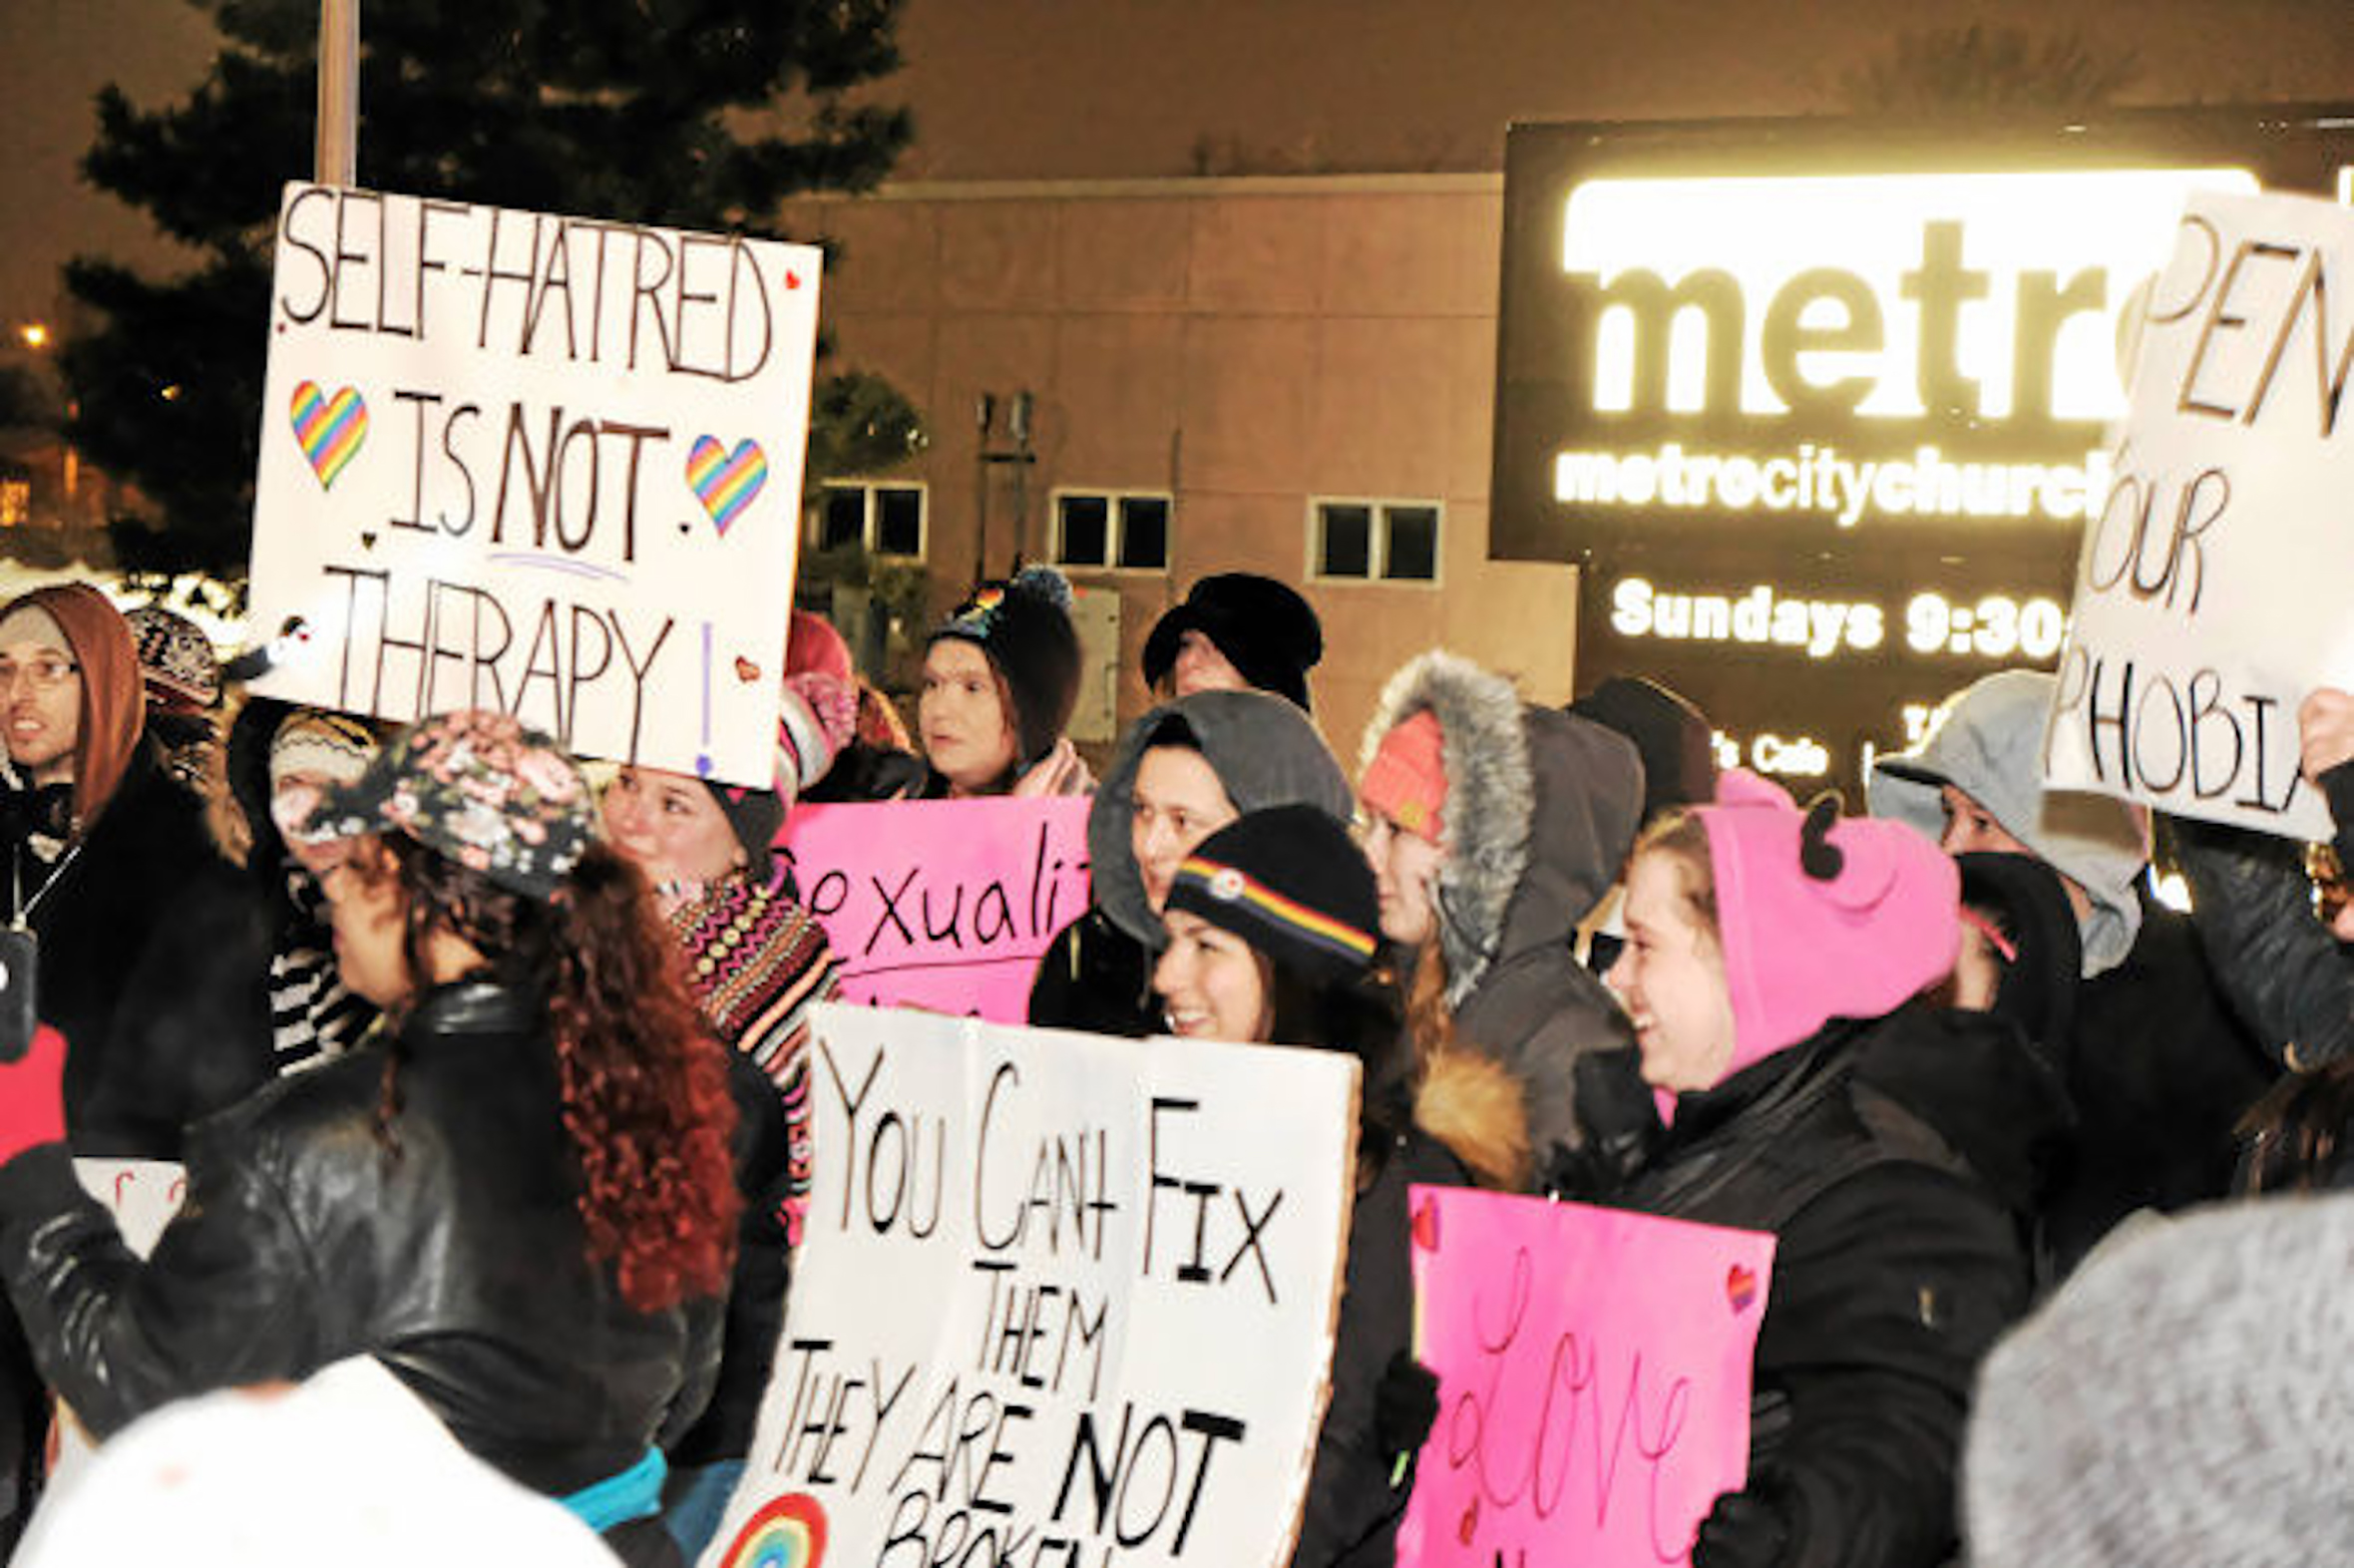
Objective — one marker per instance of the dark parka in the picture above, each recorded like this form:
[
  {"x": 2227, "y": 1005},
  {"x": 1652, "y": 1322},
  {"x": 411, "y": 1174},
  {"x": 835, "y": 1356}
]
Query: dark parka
[
  {"x": 155, "y": 965},
  {"x": 1097, "y": 972},
  {"x": 1894, "y": 1162},
  {"x": 458, "y": 1262},
  {"x": 1541, "y": 810},
  {"x": 2287, "y": 976},
  {"x": 1354, "y": 1494}
]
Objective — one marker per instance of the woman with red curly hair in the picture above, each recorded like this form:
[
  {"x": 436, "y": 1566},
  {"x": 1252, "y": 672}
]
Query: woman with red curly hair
[{"x": 517, "y": 1195}]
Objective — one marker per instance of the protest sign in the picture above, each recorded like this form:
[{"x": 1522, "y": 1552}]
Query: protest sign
[
  {"x": 942, "y": 904},
  {"x": 1063, "y": 1301},
  {"x": 1594, "y": 1372},
  {"x": 142, "y": 1195},
  {"x": 545, "y": 464},
  {"x": 2211, "y": 590}
]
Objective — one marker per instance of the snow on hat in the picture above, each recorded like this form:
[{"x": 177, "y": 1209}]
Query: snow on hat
[
  {"x": 175, "y": 659},
  {"x": 1025, "y": 627},
  {"x": 2186, "y": 1397},
  {"x": 1987, "y": 741},
  {"x": 1406, "y": 779},
  {"x": 1290, "y": 882},
  {"x": 1820, "y": 916},
  {"x": 474, "y": 786},
  {"x": 1268, "y": 633}
]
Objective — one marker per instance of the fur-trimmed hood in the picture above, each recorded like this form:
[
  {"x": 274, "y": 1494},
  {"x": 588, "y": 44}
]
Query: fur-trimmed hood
[
  {"x": 1476, "y": 1108},
  {"x": 1264, "y": 752},
  {"x": 1541, "y": 809}
]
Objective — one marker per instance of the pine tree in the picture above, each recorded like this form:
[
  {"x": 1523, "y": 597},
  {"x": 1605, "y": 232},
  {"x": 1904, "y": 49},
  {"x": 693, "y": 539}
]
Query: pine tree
[{"x": 697, "y": 114}]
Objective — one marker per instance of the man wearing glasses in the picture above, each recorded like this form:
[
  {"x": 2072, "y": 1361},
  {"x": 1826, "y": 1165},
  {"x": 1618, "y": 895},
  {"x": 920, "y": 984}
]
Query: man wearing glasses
[{"x": 151, "y": 950}]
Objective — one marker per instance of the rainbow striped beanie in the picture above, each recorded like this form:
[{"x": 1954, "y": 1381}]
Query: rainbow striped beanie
[{"x": 1292, "y": 882}]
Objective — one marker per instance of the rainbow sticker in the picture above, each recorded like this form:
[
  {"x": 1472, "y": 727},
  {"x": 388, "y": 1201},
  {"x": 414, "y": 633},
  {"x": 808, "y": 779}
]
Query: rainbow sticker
[
  {"x": 329, "y": 429},
  {"x": 726, "y": 482},
  {"x": 787, "y": 1532}
]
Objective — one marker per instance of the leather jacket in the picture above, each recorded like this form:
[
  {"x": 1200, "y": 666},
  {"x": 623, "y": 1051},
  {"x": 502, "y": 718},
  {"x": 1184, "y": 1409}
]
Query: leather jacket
[{"x": 459, "y": 1262}]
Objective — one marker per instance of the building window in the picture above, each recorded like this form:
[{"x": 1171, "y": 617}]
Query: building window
[
  {"x": 1119, "y": 529},
  {"x": 881, "y": 518},
  {"x": 1374, "y": 541}
]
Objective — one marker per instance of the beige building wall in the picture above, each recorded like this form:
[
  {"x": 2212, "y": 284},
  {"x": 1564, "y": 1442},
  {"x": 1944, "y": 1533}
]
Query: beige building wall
[{"x": 1246, "y": 345}]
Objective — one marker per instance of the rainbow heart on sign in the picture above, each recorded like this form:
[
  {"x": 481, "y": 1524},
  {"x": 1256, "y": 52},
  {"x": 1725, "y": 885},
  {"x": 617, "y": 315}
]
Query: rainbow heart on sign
[
  {"x": 726, "y": 482},
  {"x": 789, "y": 1532},
  {"x": 1740, "y": 1288},
  {"x": 330, "y": 429}
]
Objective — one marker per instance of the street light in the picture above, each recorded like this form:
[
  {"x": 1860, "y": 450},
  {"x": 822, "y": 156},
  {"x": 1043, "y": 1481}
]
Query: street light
[{"x": 35, "y": 334}]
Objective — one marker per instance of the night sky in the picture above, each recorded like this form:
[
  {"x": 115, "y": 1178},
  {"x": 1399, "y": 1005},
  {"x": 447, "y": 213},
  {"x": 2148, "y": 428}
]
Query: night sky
[{"x": 1106, "y": 89}]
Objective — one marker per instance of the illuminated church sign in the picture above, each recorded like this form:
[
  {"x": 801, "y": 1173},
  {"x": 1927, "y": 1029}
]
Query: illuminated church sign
[{"x": 1823, "y": 407}]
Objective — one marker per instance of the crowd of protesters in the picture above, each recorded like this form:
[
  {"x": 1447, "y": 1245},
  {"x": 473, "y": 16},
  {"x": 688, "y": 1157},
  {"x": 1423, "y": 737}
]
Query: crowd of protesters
[{"x": 501, "y": 1079}]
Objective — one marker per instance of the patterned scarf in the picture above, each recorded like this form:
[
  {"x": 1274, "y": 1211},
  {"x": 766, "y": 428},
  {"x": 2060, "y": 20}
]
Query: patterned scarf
[{"x": 314, "y": 1017}]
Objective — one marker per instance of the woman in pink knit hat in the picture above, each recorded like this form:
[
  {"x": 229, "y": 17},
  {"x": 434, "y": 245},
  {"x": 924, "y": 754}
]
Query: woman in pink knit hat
[{"x": 1772, "y": 968}]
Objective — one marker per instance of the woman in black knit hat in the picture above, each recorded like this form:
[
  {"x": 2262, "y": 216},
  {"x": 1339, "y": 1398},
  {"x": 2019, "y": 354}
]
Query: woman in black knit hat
[
  {"x": 1273, "y": 924},
  {"x": 999, "y": 680}
]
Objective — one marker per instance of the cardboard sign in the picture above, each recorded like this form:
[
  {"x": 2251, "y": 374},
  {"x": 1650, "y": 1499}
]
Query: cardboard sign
[
  {"x": 544, "y": 464},
  {"x": 2211, "y": 592},
  {"x": 1594, "y": 1372},
  {"x": 142, "y": 1195},
  {"x": 942, "y": 904},
  {"x": 1063, "y": 1300}
]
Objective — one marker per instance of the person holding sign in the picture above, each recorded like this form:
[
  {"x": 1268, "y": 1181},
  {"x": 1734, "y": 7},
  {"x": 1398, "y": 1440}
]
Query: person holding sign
[
  {"x": 519, "y": 1202},
  {"x": 1273, "y": 922},
  {"x": 1494, "y": 828},
  {"x": 1771, "y": 967},
  {"x": 1184, "y": 770},
  {"x": 999, "y": 680},
  {"x": 2158, "y": 1068},
  {"x": 755, "y": 959}
]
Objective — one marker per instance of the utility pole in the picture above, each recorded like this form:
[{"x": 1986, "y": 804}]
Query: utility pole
[{"x": 335, "y": 161}]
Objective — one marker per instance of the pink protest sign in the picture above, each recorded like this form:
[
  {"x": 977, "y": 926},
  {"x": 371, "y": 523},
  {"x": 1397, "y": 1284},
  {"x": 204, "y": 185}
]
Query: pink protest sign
[
  {"x": 1593, "y": 1380},
  {"x": 942, "y": 904}
]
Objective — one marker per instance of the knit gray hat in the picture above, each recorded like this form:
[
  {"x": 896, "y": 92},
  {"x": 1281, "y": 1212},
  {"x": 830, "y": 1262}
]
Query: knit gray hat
[
  {"x": 1987, "y": 741},
  {"x": 2186, "y": 1399}
]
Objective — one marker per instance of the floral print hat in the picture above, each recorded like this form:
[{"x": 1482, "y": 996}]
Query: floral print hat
[{"x": 474, "y": 786}]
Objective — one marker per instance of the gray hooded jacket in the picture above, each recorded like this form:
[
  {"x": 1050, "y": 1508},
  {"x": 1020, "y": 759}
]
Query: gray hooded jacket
[
  {"x": 1541, "y": 809},
  {"x": 1097, "y": 974}
]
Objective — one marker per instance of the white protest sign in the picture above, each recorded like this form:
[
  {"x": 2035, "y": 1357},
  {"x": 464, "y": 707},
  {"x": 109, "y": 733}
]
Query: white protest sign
[
  {"x": 545, "y": 464},
  {"x": 2212, "y": 590},
  {"x": 1063, "y": 1300},
  {"x": 142, "y": 1195}
]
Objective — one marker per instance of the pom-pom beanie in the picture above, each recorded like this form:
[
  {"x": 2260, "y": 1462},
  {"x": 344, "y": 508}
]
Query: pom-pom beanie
[
  {"x": 1820, "y": 916},
  {"x": 1025, "y": 627}
]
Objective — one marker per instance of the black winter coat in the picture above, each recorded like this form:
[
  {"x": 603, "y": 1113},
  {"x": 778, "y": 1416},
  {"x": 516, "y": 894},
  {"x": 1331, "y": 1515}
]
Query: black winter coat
[
  {"x": 155, "y": 965},
  {"x": 1893, "y": 1161},
  {"x": 2160, "y": 1073},
  {"x": 1351, "y": 1513},
  {"x": 1096, "y": 977},
  {"x": 460, "y": 1264},
  {"x": 762, "y": 1277}
]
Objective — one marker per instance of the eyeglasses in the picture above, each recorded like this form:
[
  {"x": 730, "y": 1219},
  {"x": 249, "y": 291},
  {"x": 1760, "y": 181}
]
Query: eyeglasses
[{"x": 46, "y": 674}]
